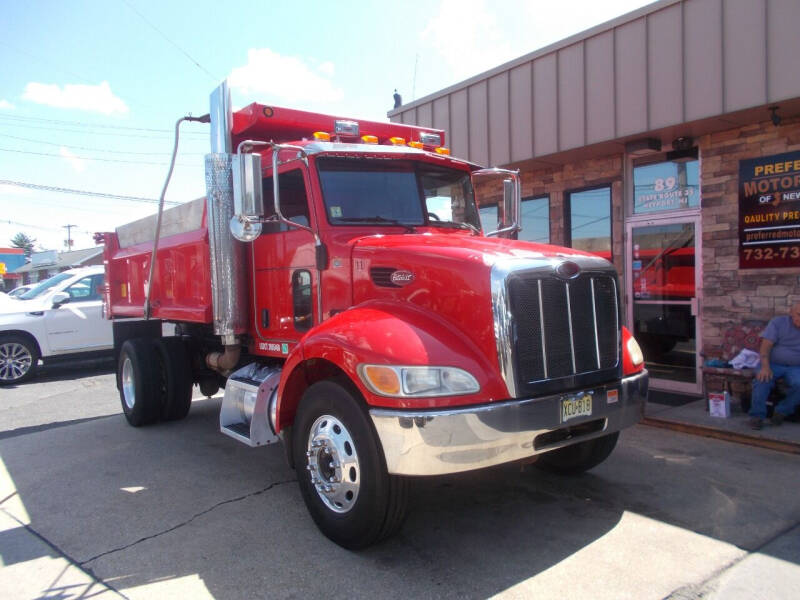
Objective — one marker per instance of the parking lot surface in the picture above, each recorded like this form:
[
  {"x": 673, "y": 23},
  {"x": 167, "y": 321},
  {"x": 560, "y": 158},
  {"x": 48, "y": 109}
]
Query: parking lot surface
[{"x": 90, "y": 506}]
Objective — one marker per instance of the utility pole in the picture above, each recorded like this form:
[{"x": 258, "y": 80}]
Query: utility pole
[{"x": 69, "y": 235}]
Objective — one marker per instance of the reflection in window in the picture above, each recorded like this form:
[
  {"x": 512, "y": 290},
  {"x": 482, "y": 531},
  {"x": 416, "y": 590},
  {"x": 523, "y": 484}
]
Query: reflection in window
[
  {"x": 294, "y": 204},
  {"x": 490, "y": 217},
  {"x": 669, "y": 185},
  {"x": 535, "y": 220},
  {"x": 301, "y": 300},
  {"x": 589, "y": 221}
]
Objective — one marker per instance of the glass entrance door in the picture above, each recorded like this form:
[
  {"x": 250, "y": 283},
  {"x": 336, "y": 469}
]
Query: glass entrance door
[{"x": 662, "y": 284}]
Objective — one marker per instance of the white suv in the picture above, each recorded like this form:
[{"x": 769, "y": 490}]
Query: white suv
[{"x": 60, "y": 316}]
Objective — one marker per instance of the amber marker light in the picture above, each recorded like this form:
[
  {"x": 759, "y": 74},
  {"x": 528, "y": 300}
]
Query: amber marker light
[
  {"x": 383, "y": 380},
  {"x": 397, "y": 141},
  {"x": 417, "y": 145},
  {"x": 322, "y": 136},
  {"x": 442, "y": 150},
  {"x": 369, "y": 139}
]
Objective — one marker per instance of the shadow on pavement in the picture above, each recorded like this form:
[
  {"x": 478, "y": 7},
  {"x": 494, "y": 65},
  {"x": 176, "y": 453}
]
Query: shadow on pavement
[{"x": 179, "y": 500}]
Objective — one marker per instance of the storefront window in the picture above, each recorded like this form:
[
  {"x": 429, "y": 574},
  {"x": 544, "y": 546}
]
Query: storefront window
[
  {"x": 589, "y": 221},
  {"x": 535, "y": 220},
  {"x": 669, "y": 185}
]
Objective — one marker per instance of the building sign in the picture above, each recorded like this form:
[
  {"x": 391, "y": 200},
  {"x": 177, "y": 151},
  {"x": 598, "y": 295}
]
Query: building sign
[
  {"x": 670, "y": 185},
  {"x": 769, "y": 211}
]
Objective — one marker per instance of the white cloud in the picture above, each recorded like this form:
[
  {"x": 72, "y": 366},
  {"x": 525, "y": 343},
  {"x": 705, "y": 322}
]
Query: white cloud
[
  {"x": 93, "y": 98},
  {"x": 290, "y": 79},
  {"x": 75, "y": 162},
  {"x": 6, "y": 105},
  {"x": 467, "y": 35}
]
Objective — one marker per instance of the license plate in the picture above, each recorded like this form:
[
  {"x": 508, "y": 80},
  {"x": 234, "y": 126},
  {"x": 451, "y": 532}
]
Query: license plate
[{"x": 576, "y": 406}]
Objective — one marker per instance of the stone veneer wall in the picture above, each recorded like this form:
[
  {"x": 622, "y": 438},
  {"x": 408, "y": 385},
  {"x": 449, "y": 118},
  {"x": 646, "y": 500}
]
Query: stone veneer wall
[{"x": 732, "y": 295}]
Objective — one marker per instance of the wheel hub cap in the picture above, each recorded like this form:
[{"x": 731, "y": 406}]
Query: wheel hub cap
[
  {"x": 15, "y": 361},
  {"x": 128, "y": 387},
  {"x": 333, "y": 464}
]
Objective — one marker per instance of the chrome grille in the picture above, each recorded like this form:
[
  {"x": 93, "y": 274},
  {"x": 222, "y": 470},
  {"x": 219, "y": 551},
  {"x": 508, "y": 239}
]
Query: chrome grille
[{"x": 564, "y": 331}]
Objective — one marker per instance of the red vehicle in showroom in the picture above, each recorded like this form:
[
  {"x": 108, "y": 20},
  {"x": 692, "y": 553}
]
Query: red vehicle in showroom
[{"x": 337, "y": 283}]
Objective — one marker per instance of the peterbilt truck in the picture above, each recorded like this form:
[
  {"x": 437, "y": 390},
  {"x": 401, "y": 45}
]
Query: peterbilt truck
[{"x": 337, "y": 283}]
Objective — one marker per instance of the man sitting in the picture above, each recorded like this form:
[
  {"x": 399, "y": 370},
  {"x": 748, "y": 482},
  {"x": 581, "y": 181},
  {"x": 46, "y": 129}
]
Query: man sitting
[{"x": 780, "y": 357}]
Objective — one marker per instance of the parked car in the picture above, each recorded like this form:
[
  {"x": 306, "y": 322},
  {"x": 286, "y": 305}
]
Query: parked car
[{"x": 60, "y": 317}]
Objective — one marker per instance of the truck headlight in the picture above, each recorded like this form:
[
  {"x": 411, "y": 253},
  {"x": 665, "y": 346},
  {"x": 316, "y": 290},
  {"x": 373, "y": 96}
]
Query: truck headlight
[{"x": 417, "y": 382}]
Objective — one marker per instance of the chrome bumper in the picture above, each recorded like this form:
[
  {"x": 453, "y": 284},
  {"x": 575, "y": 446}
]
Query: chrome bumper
[{"x": 437, "y": 442}]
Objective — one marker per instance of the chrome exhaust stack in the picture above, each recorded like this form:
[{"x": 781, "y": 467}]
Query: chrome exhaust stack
[{"x": 228, "y": 284}]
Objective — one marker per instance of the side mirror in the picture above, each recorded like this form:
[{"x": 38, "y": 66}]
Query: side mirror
[
  {"x": 248, "y": 197},
  {"x": 512, "y": 200},
  {"x": 60, "y": 298}
]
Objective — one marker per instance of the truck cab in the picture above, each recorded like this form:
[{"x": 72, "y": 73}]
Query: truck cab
[{"x": 337, "y": 282}]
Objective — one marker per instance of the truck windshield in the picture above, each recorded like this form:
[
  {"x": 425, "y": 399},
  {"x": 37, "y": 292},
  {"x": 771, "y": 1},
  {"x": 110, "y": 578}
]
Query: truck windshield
[{"x": 407, "y": 193}]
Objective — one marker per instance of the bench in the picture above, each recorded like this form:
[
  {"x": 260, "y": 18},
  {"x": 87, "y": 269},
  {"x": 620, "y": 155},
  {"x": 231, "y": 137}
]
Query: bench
[{"x": 737, "y": 382}]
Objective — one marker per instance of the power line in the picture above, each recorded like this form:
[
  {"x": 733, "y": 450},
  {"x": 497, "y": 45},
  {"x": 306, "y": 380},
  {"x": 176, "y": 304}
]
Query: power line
[
  {"x": 43, "y": 142},
  {"x": 111, "y": 160},
  {"x": 162, "y": 34},
  {"x": 91, "y": 125},
  {"x": 48, "y": 188},
  {"x": 114, "y": 133}
]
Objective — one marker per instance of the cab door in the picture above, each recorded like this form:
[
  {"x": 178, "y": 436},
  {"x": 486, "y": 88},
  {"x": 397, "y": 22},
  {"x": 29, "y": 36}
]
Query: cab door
[
  {"x": 284, "y": 267},
  {"x": 78, "y": 324}
]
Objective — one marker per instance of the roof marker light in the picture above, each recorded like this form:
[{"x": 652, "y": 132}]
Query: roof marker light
[
  {"x": 322, "y": 136},
  {"x": 442, "y": 150},
  {"x": 430, "y": 139},
  {"x": 369, "y": 139},
  {"x": 397, "y": 141},
  {"x": 418, "y": 145}
]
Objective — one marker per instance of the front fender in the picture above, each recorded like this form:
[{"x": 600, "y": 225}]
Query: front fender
[{"x": 384, "y": 332}]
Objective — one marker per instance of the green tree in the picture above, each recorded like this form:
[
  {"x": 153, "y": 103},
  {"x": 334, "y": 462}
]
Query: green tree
[{"x": 23, "y": 241}]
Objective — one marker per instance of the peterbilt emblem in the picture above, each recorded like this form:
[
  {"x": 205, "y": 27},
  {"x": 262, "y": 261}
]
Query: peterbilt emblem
[
  {"x": 402, "y": 277},
  {"x": 568, "y": 270}
]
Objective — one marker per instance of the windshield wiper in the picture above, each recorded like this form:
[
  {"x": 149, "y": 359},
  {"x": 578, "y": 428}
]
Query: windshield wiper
[
  {"x": 377, "y": 219},
  {"x": 455, "y": 225}
]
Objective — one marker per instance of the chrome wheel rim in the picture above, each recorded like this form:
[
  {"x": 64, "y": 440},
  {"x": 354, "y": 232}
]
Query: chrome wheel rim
[
  {"x": 128, "y": 385},
  {"x": 333, "y": 464},
  {"x": 15, "y": 361}
]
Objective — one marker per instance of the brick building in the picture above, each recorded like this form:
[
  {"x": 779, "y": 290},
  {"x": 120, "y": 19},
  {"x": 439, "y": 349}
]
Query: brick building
[{"x": 668, "y": 140}]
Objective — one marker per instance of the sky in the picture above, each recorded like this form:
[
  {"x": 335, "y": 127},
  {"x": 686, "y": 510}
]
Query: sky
[{"x": 91, "y": 89}]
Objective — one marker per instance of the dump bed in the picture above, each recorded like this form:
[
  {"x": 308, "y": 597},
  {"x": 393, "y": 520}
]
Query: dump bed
[{"x": 181, "y": 281}]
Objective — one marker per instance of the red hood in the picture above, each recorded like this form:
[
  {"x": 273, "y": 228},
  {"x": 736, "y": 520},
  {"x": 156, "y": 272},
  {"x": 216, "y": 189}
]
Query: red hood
[{"x": 448, "y": 275}]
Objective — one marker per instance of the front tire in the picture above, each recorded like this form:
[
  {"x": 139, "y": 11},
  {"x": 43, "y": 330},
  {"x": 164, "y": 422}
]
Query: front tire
[
  {"x": 139, "y": 384},
  {"x": 341, "y": 469},
  {"x": 579, "y": 457},
  {"x": 18, "y": 359}
]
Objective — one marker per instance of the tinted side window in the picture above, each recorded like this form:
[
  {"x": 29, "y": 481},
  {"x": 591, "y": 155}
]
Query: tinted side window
[
  {"x": 85, "y": 289},
  {"x": 293, "y": 198}
]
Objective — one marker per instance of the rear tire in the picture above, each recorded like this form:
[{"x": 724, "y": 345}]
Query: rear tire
[
  {"x": 139, "y": 381},
  {"x": 341, "y": 469},
  {"x": 177, "y": 378},
  {"x": 579, "y": 457},
  {"x": 19, "y": 357}
]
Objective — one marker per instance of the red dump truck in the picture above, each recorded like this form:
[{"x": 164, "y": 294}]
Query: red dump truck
[{"x": 337, "y": 283}]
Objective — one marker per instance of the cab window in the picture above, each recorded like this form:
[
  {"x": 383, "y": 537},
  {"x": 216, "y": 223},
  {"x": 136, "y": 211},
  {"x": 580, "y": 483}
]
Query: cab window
[
  {"x": 294, "y": 202},
  {"x": 86, "y": 289}
]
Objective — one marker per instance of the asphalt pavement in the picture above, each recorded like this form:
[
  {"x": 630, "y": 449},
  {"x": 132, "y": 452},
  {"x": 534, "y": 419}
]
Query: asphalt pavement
[{"x": 90, "y": 507}]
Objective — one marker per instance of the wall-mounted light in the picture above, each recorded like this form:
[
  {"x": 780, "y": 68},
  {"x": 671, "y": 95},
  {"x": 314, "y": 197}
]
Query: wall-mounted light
[
  {"x": 774, "y": 116},
  {"x": 643, "y": 146},
  {"x": 682, "y": 144}
]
